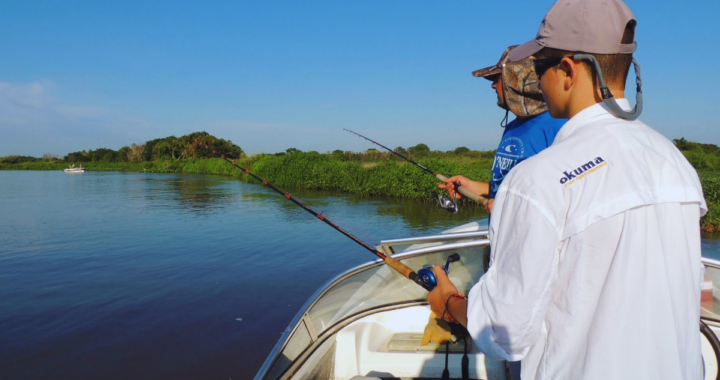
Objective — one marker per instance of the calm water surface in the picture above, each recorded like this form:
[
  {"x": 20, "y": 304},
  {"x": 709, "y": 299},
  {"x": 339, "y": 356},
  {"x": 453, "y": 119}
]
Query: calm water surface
[{"x": 158, "y": 276}]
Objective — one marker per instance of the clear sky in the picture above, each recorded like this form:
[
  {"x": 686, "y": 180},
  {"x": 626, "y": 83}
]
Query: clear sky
[{"x": 270, "y": 75}]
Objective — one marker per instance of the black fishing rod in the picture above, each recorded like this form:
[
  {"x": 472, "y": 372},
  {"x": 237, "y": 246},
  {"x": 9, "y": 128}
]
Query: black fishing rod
[
  {"x": 462, "y": 190},
  {"x": 427, "y": 283}
]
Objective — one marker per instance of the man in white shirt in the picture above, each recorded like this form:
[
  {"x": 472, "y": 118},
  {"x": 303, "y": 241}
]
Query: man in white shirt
[{"x": 596, "y": 266}]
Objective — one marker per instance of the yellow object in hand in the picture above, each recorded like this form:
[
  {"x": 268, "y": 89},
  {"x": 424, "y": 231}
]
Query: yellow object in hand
[{"x": 437, "y": 330}]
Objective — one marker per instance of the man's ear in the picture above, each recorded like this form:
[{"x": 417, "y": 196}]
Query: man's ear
[{"x": 570, "y": 69}]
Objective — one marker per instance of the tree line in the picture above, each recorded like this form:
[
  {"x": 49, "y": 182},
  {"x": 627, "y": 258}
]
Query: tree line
[
  {"x": 701, "y": 156},
  {"x": 187, "y": 147},
  {"x": 167, "y": 148}
]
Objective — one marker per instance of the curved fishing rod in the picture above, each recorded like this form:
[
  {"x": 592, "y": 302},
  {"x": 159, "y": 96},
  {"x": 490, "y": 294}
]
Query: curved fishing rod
[
  {"x": 461, "y": 189},
  {"x": 392, "y": 263}
]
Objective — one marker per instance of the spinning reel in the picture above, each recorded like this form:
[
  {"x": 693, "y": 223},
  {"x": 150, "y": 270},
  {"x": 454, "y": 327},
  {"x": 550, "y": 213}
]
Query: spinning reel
[{"x": 449, "y": 204}]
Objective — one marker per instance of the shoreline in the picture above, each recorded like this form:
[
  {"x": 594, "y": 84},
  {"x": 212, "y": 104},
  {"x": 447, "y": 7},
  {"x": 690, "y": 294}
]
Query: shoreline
[{"x": 389, "y": 178}]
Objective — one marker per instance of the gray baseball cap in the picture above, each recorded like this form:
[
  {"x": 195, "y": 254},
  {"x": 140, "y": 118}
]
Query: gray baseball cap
[{"x": 587, "y": 26}]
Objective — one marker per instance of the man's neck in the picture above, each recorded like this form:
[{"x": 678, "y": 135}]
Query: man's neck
[{"x": 590, "y": 96}]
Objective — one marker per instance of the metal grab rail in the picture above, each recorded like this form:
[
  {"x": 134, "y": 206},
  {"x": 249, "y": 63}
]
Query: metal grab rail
[
  {"x": 451, "y": 246},
  {"x": 434, "y": 238},
  {"x": 711, "y": 262}
]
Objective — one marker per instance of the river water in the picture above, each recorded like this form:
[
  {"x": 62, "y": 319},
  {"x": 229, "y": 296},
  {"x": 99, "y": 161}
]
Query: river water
[
  {"x": 108, "y": 275},
  {"x": 159, "y": 276}
]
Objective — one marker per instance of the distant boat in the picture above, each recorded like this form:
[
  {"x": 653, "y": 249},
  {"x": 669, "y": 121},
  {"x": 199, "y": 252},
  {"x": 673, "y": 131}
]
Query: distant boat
[{"x": 75, "y": 170}]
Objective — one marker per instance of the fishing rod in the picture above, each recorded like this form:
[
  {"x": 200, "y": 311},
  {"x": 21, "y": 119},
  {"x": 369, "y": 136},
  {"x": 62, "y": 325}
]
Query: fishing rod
[
  {"x": 426, "y": 279},
  {"x": 461, "y": 189}
]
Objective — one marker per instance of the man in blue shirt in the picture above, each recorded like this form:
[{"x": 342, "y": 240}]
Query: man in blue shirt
[{"x": 532, "y": 130}]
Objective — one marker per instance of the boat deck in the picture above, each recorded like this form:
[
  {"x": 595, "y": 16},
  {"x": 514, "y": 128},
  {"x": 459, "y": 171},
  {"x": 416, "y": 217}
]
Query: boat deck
[{"x": 386, "y": 345}]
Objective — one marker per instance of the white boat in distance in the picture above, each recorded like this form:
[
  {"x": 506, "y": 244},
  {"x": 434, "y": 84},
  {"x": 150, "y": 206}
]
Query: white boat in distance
[
  {"x": 73, "y": 169},
  {"x": 367, "y": 323}
]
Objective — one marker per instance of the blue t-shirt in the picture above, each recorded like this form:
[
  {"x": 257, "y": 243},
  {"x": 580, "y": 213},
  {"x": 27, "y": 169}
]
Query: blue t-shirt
[{"x": 522, "y": 139}]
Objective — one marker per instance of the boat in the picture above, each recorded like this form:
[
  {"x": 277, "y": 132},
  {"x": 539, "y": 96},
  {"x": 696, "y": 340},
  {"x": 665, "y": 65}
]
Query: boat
[
  {"x": 367, "y": 323},
  {"x": 75, "y": 170}
]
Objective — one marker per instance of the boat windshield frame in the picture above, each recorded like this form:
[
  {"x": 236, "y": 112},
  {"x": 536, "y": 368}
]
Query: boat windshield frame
[{"x": 443, "y": 244}]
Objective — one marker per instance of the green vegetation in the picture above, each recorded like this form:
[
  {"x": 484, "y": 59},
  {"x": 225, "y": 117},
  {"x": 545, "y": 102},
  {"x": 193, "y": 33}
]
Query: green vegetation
[
  {"x": 372, "y": 173},
  {"x": 369, "y": 173},
  {"x": 705, "y": 158}
]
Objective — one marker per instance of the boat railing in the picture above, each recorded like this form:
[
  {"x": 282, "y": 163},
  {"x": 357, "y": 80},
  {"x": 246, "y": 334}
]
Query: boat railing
[
  {"x": 709, "y": 303},
  {"x": 450, "y": 247},
  {"x": 708, "y": 262},
  {"x": 473, "y": 238}
]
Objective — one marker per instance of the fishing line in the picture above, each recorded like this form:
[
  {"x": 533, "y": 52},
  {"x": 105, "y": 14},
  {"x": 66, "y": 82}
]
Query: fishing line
[
  {"x": 462, "y": 190},
  {"x": 358, "y": 232},
  {"x": 392, "y": 263}
]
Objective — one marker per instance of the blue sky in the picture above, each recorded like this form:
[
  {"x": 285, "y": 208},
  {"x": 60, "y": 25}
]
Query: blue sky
[{"x": 270, "y": 75}]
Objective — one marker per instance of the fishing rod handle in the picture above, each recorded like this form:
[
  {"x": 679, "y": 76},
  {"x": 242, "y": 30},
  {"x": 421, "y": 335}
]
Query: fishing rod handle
[
  {"x": 465, "y": 191},
  {"x": 406, "y": 271}
]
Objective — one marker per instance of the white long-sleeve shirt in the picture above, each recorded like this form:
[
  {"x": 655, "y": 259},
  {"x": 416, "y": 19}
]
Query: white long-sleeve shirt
[{"x": 596, "y": 266}]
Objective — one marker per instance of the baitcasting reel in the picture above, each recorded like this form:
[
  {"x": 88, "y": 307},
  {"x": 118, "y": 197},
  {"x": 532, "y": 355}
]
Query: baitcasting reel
[{"x": 427, "y": 276}]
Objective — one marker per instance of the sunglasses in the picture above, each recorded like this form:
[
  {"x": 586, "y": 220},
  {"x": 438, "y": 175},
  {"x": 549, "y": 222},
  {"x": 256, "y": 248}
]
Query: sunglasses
[{"x": 542, "y": 65}]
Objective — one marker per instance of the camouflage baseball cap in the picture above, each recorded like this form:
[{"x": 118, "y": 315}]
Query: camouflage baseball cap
[
  {"x": 490, "y": 72},
  {"x": 521, "y": 90},
  {"x": 588, "y": 26}
]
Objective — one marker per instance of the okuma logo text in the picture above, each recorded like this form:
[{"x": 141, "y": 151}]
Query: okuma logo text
[{"x": 571, "y": 175}]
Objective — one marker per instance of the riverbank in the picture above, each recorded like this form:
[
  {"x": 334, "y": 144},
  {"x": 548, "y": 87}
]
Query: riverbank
[
  {"x": 384, "y": 176},
  {"x": 308, "y": 170}
]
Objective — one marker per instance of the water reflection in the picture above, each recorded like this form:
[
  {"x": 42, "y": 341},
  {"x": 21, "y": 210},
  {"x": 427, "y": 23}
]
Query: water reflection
[
  {"x": 207, "y": 194},
  {"x": 194, "y": 194},
  {"x": 423, "y": 214},
  {"x": 342, "y": 208}
]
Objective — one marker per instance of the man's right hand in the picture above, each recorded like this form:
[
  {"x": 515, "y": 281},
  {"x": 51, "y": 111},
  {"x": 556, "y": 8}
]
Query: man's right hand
[
  {"x": 489, "y": 205},
  {"x": 451, "y": 184},
  {"x": 439, "y": 298}
]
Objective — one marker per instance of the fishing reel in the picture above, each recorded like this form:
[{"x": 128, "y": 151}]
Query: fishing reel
[
  {"x": 426, "y": 275},
  {"x": 449, "y": 204}
]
